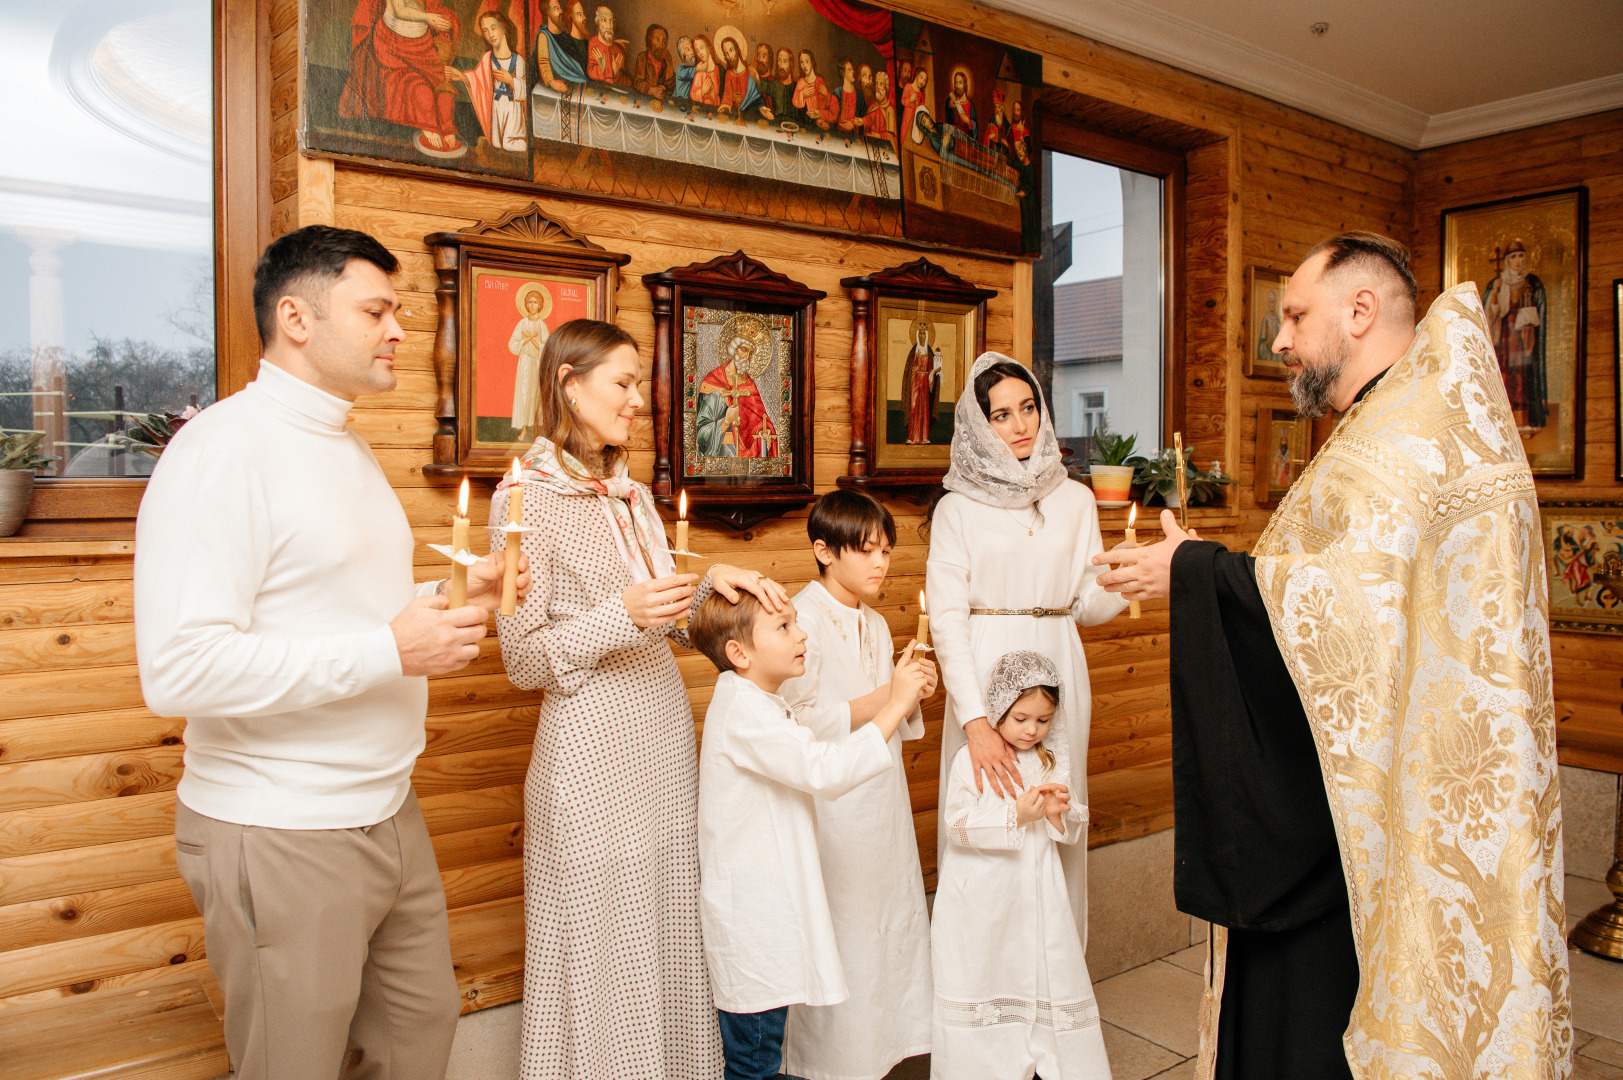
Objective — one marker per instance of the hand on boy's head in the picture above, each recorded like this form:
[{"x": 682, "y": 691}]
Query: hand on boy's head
[{"x": 728, "y": 580}]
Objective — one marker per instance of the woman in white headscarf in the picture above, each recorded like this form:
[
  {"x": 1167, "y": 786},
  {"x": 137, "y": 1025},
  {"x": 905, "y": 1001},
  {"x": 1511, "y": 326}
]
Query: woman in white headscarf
[{"x": 1010, "y": 568}]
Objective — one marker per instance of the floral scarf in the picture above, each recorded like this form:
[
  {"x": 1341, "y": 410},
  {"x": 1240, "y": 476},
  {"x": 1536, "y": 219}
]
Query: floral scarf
[{"x": 632, "y": 520}]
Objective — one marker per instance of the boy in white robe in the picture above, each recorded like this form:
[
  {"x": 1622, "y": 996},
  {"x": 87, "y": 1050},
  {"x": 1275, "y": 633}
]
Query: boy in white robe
[
  {"x": 768, "y": 939},
  {"x": 865, "y": 839}
]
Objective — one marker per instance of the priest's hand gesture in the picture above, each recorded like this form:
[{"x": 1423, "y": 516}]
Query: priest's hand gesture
[{"x": 1144, "y": 573}]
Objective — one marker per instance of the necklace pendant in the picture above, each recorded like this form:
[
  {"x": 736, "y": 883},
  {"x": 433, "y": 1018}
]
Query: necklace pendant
[{"x": 1030, "y": 533}]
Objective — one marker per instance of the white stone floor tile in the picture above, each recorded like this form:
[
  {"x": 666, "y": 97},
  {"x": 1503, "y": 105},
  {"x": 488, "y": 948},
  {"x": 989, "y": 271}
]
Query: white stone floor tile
[
  {"x": 1133, "y": 1058},
  {"x": 1159, "y": 1002},
  {"x": 1185, "y": 1071},
  {"x": 1190, "y": 959},
  {"x": 1604, "y": 1050},
  {"x": 1584, "y": 896},
  {"x": 1597, "y": 995},
  {"x": 1584, "y": 1068}
]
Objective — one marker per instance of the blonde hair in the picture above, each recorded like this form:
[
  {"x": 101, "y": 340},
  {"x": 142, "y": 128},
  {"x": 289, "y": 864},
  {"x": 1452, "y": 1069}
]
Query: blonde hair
[
  {"x": 1045, "y": 755},
  {"x": 581, "y": 345},
  {"x": 719, "y": 621}
]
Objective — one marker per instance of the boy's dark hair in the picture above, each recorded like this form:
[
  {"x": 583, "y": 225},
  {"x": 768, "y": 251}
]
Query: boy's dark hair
[
  {"x": 305, "y": 263},
  {"x": 718, "y": 621},
  {"x": 847, "y": 519}
]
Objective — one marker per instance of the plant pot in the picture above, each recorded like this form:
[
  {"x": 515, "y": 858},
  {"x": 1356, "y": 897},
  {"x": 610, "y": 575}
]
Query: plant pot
[
  {"x": 1112, "y": 484},
  {"x": 16, "y": 492},
  {"x": 1171, "y": 499}
]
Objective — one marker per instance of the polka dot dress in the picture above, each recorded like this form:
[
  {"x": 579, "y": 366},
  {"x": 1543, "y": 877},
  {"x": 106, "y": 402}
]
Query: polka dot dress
[{"x": 615, "y": 984}]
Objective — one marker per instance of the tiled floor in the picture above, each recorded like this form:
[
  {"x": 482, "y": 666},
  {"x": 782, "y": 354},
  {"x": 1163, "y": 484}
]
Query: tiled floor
[{"x": 1150, "y": 1011}]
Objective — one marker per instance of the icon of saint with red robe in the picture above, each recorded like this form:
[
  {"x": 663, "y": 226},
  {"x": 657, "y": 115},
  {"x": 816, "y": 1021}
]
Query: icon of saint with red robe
[
  {"x": 399, "y": 53},
  {"x": 733, "y": 420}
]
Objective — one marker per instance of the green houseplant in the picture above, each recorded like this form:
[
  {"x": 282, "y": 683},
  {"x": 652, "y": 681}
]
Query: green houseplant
[
  {"x": 19, "y": 457},
  {"x": 1112, "y": 464},
  {"x": 1158, "y": 475}
]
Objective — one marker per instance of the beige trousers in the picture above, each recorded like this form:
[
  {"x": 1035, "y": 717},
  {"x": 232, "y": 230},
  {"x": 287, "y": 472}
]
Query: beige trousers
[{"x": 331, "y": 946}]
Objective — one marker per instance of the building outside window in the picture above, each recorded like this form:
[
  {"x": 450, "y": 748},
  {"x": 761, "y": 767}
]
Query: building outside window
[
  {"x": 1089, "y": 407},
  {"x": 1108, "y": 301},
  {"x": 106, "y": 224}
]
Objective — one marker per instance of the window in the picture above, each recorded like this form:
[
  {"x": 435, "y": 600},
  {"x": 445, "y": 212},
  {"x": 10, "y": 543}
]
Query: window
[
  {"x": 1088, "y": 408},
  {"x": 1102, "y": 298},
  {"x": 107, "y": 234}
]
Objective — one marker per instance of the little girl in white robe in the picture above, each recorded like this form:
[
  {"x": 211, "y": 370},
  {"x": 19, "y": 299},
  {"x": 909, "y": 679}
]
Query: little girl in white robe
[{"x": 1012, "y": 993}]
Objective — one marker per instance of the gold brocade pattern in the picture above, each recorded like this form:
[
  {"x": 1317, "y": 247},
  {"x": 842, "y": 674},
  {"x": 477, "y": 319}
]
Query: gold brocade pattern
[{"x": 1404, "y": 577}]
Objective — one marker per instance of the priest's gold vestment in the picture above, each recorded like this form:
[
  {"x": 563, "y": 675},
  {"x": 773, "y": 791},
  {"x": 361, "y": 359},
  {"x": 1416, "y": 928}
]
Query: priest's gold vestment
[{"x": 1404, "y": 578}]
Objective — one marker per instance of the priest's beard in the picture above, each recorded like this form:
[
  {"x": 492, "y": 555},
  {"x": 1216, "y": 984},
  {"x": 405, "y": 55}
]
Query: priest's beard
[{"x": 1313, "y": 388}]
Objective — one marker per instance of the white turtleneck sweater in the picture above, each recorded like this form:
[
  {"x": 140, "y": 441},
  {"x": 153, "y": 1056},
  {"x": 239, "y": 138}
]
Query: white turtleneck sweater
[{"x": 270, "y": 556}]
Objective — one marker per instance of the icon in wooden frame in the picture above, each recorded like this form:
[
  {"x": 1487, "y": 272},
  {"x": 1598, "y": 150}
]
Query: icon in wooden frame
[
  {"x": 504, "y": 286},
  {"x": 1526, "y": 256},
  {"x": 1284, "y": 447},
  {"x": 733, "y": 388},
  {"x": 917, "y": 329},
  {"x": 1265, "y": 298}
]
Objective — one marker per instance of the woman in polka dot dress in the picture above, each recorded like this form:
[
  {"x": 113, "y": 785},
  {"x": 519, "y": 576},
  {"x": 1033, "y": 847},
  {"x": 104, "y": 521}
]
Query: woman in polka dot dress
[{"x": 615, "y": 985}]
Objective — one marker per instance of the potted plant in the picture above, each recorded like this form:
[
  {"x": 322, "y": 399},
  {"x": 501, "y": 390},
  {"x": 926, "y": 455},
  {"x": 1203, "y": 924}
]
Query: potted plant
[
  {"x": 151, "y": 432},
  {"x": 19, "y": 457},
  {"x": 1158, "y": 475},
  {"x": 1112, "y": 465}
]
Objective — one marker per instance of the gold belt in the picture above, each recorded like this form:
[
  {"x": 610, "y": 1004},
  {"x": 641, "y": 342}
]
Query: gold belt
[{"x": 1034, "y": 612}]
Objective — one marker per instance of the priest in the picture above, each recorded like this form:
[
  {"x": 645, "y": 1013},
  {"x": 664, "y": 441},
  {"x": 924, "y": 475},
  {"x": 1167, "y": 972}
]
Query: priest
[{"x": 1363, "y": 727}]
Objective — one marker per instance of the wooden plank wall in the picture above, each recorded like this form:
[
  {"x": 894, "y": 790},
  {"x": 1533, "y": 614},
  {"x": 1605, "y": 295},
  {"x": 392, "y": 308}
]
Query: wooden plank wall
[
  {"x": 1586, "y": 151},
  {"x": 88, "y": 896}
]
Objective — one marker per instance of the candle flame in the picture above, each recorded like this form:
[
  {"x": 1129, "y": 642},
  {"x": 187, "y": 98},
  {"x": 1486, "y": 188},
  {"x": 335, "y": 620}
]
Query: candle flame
[
  {"x": 923, "y": 609},
  {"x": 1132, "y": 515},
  {"x": 682, "y": 505},
  {"x": 462, "y": 500},
  {"x": 515, "y": 470}
]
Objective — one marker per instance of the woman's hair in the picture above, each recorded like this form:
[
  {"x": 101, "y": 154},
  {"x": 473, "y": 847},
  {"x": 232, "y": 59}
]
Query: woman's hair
[
  {"x": 1045, "y": 755},
  {"x": 994, "y": 374},
  {"x": 581, "y": 345}
]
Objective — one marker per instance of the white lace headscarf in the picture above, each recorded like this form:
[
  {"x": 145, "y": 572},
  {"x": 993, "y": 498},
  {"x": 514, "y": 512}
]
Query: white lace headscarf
[
  {"x": 983, "y": 466},
  {"x": 1014, "y": 674}
]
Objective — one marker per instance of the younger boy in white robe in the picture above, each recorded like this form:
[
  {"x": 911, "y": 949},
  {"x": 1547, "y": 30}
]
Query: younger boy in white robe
[
  {"x": 768, "y": 938},
  {"x": 865, "y": 838},
  {"x": 1012, "y": 994}
]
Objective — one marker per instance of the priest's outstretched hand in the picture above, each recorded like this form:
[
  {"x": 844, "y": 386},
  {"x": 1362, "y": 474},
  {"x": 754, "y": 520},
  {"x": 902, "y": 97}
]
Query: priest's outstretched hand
[{"x": 1144, "y": 573}]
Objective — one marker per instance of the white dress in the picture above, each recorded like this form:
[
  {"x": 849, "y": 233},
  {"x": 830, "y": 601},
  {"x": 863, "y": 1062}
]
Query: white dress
[
  {"x": 768, "y": 937},
  {"x": 526, "y": 342},
  {"x": 870, "y": 862},
  {"x": 1012, "y": 994},
  {"x": 982, "y": 557}
]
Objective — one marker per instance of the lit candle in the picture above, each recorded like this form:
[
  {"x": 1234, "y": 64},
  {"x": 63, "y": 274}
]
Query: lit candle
[
  {"x": 1132, "y": 542},
  {"x": 515, "y": 516},
  {"x": 459, "y": 543},
  {"x": 923, "y": 636},
  {"x": 682, "y": 546}
]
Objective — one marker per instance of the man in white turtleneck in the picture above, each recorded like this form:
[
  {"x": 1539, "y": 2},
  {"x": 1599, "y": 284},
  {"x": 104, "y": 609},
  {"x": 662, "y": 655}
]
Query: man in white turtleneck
[{"x": 275, "y": 610}]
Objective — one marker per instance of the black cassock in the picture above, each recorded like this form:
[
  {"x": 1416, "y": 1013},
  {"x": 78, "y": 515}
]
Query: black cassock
[{"x": 1255, "y": 845}]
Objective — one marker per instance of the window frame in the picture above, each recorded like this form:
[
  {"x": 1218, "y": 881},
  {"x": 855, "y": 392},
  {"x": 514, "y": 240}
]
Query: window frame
[
  {"x": 1067, "y": 136},
  {"x": 98, "y": 507}
]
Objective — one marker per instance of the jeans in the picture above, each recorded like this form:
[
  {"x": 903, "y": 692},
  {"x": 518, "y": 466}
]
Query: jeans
[{"x": 752, "y": 1043}]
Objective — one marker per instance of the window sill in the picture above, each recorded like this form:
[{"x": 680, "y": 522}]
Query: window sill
[{"x": 91, "y": 508}]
